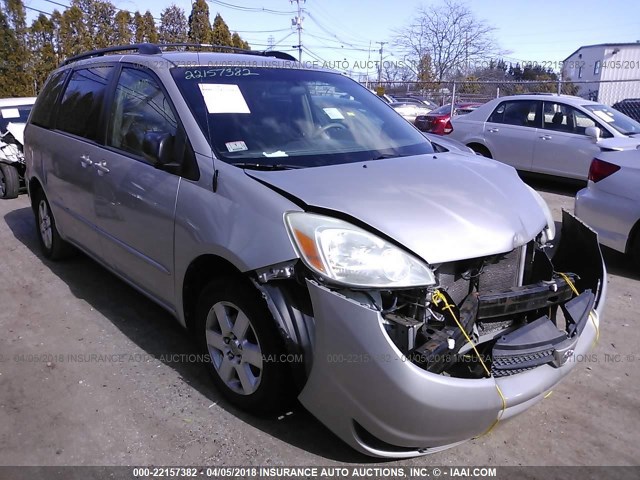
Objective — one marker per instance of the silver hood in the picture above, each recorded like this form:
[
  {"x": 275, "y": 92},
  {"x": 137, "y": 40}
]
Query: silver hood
[{"x": 442, "y": 207}]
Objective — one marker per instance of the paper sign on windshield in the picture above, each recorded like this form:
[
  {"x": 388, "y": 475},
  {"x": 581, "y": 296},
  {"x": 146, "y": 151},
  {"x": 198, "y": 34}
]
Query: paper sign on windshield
[
  {"x": 223, "y": 98},
  {"x": 10, "y": 113},
  {"x": 603, "y": 115}
]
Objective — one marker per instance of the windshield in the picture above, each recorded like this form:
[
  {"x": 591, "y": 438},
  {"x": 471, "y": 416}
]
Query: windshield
[
  {"x": 295, "y": 118},
  {"x": 615, "y": 119},
  {"x": 17, "y": 114}
]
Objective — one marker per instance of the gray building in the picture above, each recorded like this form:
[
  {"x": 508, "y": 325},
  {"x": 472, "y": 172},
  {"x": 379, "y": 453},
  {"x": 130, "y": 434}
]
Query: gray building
[{"x": 595, "y": 64}]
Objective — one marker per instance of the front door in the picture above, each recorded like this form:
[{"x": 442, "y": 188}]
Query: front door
[
  {"x": 562, "y": 148},
  {"x": 135, "y": 200}
]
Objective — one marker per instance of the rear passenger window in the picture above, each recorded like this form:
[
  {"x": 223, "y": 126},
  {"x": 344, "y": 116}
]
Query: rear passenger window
[
  {"x": 139, "y": 106},
  {"x": 81, "y": 104},
  {"x": 44, "y": 109},
  {"x": 522, "y": 113}
]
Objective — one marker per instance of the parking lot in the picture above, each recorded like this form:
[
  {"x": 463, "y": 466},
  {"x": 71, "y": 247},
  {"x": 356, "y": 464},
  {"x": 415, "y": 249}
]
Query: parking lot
[{"x": 92, "y": 373}]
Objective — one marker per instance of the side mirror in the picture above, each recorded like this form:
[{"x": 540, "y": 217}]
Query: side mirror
[
  {"x": 593, "y": 132},
  {"x": 157, "y": 147}
]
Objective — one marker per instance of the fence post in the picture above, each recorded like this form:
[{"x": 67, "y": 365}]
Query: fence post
[
  {"x": 498, "y": 92},
  {"x": 559, "y": 87},
  {"x": 453, "y": 99}
]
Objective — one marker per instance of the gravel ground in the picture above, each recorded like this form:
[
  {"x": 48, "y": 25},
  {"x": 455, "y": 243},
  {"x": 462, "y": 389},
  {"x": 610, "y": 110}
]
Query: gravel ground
[{"x": 150, "y": 405}]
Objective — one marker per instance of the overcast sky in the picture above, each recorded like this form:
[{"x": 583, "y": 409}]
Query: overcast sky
[{"x": 542, "y": 31}]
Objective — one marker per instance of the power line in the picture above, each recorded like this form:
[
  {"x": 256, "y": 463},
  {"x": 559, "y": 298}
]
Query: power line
[
  {"x": 338, "y": 23},
  {"x": 36, "y": 10},
  {"x": 335, "y": 47},
  {"x": 282, "y": 40},
  {"x": 59, "y": 4},
  {"x": 330, "y": 33},
  {"x": 263, "y": 31},
  {"x": 313, "y": 55},
  {"x": 250, "y": 9}
]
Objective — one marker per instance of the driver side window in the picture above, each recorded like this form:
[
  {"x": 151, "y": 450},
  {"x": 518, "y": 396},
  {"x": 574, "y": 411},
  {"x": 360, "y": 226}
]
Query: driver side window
[{"x": 139, "y": 106}]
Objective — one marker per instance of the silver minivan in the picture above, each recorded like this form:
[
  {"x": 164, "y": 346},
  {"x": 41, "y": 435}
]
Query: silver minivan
[{"x": 314, "y": 242}]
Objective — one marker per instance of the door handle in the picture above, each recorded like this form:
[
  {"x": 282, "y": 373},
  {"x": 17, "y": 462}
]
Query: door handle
[
  {"x": 85, "y": 161},
  {"x": 494, "y": 130},
  {"x": 546, "y": 137},
  {"x": 101, "y": 167}
]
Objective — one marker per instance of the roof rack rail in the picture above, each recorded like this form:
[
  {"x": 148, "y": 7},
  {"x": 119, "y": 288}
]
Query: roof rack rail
[{"x": 156, "y": 48}]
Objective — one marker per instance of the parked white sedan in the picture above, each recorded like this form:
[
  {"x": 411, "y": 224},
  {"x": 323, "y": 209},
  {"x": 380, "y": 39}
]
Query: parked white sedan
[
  {"x": 611, "y": 202},
  {"x": 551, "y": 134}
]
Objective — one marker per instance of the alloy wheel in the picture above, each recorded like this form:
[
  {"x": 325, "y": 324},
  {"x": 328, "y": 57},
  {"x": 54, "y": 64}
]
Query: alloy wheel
[
  {"x": 44, "y": 222},
  {"x": 234, "y": 348}
]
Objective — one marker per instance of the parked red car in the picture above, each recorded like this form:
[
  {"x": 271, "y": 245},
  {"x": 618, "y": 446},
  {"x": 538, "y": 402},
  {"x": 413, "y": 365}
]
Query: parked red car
[{"x": 437, "y": 121}]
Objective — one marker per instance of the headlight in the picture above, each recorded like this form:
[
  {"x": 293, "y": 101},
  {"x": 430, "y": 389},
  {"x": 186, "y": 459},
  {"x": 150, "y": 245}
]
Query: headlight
[
  {"x": 549, "y": 233},
  {"x": 346, "y": 254}
]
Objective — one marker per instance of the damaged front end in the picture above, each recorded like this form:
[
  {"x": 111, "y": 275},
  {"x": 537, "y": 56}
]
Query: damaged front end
[
  {"x": 500, "y": 315},
  {"x": 404, "y": 372}
]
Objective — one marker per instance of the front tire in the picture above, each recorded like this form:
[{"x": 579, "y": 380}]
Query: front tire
[
  {"x": 234, "y": 327},
  {"x": 9, "y": 181},
  {"x": 52, "y": 245}
]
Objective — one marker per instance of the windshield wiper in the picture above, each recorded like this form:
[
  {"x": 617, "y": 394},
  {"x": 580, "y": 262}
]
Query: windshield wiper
[{"x": 265, "y": 166}]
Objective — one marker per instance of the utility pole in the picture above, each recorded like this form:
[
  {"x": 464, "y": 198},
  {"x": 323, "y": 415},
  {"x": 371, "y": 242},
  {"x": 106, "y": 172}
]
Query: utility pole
[
  {"x": 382, "y": 44},
  {"x": 270, "y": 41},
  {"x": 297, "y": 22}
]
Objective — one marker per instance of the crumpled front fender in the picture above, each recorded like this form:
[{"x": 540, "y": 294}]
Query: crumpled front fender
[{"x": 364, "y": 390}]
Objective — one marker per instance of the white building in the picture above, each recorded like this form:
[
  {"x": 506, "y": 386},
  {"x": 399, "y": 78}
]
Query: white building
[{"x": 607, "y": 61}]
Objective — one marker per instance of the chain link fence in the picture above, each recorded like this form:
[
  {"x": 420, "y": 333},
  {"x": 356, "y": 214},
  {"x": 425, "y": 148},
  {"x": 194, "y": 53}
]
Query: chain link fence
[{"x": 623, "y": 95}]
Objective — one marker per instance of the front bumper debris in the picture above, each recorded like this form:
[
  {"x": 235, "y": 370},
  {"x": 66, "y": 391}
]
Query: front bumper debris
[{"x": 383, "y": 403}]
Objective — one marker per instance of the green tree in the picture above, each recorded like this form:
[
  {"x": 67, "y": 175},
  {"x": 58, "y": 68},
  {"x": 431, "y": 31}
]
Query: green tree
[
  {"x": 173, "y": 25},
  {"x": 145, "y": 28},
  {"x": 56, "y": 20},
  {"x": 101, "y": 18},
  {"x": 238, "y": 42},
  {"x": 220, "y": 34},
  {"x": 199, "y": 26},
  {"x": 138, "y": 27},
  {"x": 43, "y": 56},
  {"x": 151, "y": 32},
  {"x": 16, "y": 57},
  {"x": 8, "y": 43},
  {"x": 74, "y": 35},
  {"x": 123, "y": 28}
]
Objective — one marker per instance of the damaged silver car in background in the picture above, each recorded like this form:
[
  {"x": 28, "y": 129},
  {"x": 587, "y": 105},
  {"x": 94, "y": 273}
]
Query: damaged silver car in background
[
  {"x": 281, "y": 212},
  {"x": 13, "y": 117}
]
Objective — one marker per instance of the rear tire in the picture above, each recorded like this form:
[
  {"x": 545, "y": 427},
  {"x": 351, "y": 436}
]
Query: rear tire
[
  {"x": 9, "y": 181},
  {"x": 52, "y": 245},
  {"x": 235, "y": 328},
  {"x": 635, "y": 251}
]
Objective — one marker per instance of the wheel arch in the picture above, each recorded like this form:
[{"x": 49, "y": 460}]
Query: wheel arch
[
  {"x": 203, "y": 270},
  {"x": 285, "y": 299},
  {"x": 34, "y": 188},
  {"x": 633, "y": 238},
  {"x": 480, "y": 147}
]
